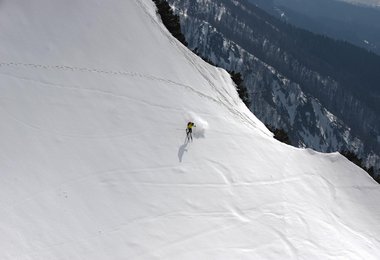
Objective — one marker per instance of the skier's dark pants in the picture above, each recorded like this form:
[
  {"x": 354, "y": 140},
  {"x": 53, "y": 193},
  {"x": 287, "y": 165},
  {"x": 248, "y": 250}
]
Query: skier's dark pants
[{"x": 188, "y": 133}]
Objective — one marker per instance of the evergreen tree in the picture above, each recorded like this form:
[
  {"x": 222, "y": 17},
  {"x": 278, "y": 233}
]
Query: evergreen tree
[
  {"x": 280, "y": 134},
  {"x": 241, "y": 88},
  {"x": 352, "y": 157},
  {"x": 359, "y": 162},
  {"x": 170, "y": 20}
]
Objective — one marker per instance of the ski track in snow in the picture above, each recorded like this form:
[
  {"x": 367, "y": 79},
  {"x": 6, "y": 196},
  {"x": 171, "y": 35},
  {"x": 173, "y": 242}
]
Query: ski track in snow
[
  {"x": 225, "y": 102},
  {"x": 238, "y": 215},
  {"x": 102, "y": 175},
  {"x": 227, "y": 183},
  {"x": 98, "y": 233},
  {"x": 106, "y": 72},
  {"x": 184, "y": 51}
]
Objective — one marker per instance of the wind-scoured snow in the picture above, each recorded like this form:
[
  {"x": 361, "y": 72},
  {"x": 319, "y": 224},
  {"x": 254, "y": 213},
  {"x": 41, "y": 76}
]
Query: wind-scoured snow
[{"x": 94, "y": 101}]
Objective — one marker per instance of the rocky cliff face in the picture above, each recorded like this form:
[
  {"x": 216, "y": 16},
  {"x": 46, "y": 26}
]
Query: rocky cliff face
[{"x": 315, "y": 109}]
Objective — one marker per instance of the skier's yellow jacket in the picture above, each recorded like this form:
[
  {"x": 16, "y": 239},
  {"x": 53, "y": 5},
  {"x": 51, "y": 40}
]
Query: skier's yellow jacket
[{"x": 190, "y": 125}]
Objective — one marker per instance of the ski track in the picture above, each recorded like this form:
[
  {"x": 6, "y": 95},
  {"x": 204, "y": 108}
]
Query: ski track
[
  {"x": 231, "y": 212},
  {"x": 106, "y": 72},
  {"x": 66, "y": 135},
  {"x": 100, "y": 175},
  {"x": 226, "y": 179},
  {"x": 96, "y": 234},
  {"x": 83, "y": 136},
  {"x": 188, "y": 238},
  {"x": 226, "y": 104},
  {"x": 356, "y": 233},
  {"x": 228, "y": 182},
  {"x": 234, "y": 184},
  {"x": 240, "y": 222},
  {"x": 96, "y": 91}
]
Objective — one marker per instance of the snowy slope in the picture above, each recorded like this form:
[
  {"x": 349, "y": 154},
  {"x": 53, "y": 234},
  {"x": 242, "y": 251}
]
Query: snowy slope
[
  {"x": 94, "y": 101},
  {"x": 374, "y": 3}
]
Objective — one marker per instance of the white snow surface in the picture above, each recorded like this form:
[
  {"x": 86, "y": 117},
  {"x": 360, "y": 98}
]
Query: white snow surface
[{"x": 95, "y": 96}]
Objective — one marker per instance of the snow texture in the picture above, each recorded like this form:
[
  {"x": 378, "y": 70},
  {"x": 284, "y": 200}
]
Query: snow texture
[{"x": 95, "y": 97}]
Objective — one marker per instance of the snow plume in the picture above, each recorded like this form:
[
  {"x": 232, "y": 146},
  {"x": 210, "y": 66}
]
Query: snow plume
[{"x": 201, "y": 124}]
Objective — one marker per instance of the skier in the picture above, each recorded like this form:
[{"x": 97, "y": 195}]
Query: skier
[{"x": 189, "y": 130}]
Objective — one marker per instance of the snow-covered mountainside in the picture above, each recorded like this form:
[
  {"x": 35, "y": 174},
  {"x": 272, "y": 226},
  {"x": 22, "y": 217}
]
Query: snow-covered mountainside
[
  {"x": 356, "y": 21},
  {"x": 374, "y": 3},
  {"x": 94, "y": 164},
  {"x": 316, "y": 109}
]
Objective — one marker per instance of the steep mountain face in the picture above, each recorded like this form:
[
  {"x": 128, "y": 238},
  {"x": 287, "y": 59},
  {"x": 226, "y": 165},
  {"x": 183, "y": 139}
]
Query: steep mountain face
[
  {"x": 316, "y": 109},
  {"x": 357, "y": 24}
]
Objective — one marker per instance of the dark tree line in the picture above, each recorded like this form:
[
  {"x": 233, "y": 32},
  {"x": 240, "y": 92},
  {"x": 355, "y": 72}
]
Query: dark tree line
[
  {"x": 172, "y": 23},
  {"x": 240, "y": 87},
  {"x": 170, "y": 20},
  {"x": 280, "y": 134},
  {"x": 359, "y": 162}
]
